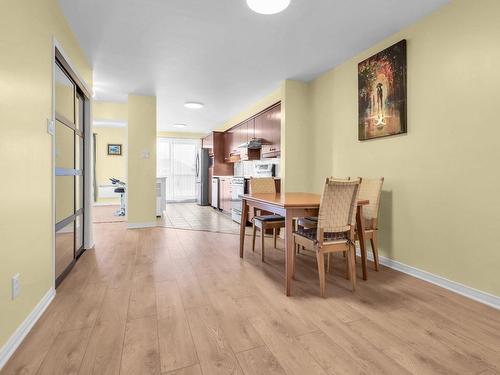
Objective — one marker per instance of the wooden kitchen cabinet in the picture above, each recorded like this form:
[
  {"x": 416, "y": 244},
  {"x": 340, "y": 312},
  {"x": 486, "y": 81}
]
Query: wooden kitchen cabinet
[
  {"x": 214, "y": 142},
  {"x": 265, "y": 125},
  {"x": 225, "y": 194},
  {"x": 259, "y": 127},
  {"x": 248, "y": 133},
  {"x": 270, "y": 125},
  {"x": 228, "y": 144},
  {"x": 275, "y": 120},
  {"x": 251, "y": 129},
  {"x": 208, "y": 143}
]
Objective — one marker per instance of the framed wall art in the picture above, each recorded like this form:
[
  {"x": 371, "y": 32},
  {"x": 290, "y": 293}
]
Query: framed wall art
[{"x": 382, "y": 93}]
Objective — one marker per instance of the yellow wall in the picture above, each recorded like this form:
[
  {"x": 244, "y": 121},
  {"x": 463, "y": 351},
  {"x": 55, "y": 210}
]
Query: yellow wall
[
  {"x": 27, "y": 29},
  {"x": 141, "y": 171},
  {"x": 262, "y": 104},
  {"x": 295, "y": 139},
  {"x": 114, "y": 111},
  {"x": 110, "y": 165},
  {"x": 440, "y": 201}
]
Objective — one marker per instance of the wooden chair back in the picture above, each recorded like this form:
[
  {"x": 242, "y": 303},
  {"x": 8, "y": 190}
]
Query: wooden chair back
[
  {"x": 371, "y": 189},
  {"x": 264, "y": 185},
  {"x": 337, "y": 211}
]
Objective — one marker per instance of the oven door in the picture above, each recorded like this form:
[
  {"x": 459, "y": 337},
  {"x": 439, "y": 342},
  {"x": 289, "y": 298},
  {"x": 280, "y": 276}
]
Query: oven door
[{"x": 237, "y": 189}]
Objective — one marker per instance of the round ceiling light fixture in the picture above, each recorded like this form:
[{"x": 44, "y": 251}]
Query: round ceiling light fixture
[
  {"x": 180, "y": 125},
  {"x": 268, "y": 6},
  {"x": 193, "y": 105}
]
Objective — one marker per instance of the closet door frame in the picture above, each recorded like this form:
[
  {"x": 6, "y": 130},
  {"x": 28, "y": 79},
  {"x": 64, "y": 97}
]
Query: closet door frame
[{"x": 81, "y": 131}]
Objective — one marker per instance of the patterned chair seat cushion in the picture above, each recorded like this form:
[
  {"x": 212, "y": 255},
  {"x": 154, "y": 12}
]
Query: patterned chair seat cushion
[
  {"x": 306, "y": 223},
  {"x": 312, "y": 221},
  {"x": 267, "y": 218},
  {"x": 311, "y": 234}
]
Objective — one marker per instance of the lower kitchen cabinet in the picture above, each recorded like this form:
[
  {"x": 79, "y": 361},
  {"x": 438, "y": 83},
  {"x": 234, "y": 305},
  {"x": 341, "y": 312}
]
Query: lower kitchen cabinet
[{"x": 225, "y": 195}]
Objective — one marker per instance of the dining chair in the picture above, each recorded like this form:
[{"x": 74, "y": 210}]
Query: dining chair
[
  {"x": 371, "y": 189},
  {"x": 335, "y": 231},
  {"x": 310, "y": 222},
  {"x": 265, "y": 185}
]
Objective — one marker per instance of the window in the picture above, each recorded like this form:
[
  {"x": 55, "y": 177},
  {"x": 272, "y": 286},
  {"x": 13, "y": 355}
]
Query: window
[{"x": 176, "y": 160}]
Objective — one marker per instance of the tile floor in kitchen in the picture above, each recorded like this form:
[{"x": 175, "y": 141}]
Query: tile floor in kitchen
[{"x": 192, "y": 216}]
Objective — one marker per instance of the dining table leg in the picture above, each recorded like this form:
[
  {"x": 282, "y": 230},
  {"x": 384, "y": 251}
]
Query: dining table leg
[
  {"x": 243, "y": 224},
  {"x": 361, "y": 237},
  {"x": 288, "y": 252}
]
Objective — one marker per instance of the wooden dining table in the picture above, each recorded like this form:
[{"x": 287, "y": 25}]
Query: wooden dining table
[{"x": 290, "y": 206}]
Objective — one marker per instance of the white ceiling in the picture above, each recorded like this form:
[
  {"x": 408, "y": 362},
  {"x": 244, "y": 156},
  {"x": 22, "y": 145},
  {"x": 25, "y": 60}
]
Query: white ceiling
[{"x": 221, "y": 53}]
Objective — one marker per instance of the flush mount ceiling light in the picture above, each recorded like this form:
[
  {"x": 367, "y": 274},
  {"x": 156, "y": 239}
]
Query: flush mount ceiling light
[
  {"x": 180, "y": 125},
  {"x": 193, "y": 105},
  {"x": 268, "y": 6}
]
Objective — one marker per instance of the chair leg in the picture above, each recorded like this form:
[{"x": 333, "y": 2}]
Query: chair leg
[
  {"x": 254, "y": 230},
  {"x": 328, "y": 261},
  {"x": 275, "y": 236},
  {"x": 374, "y": 244},
  {"x": 321, "y": 270},
  {"x": 347, "y": 265},
  {"x": 293, "y": 260},
  {"x": 262, "y": 232},
  {"x": 352, "y": 267}
]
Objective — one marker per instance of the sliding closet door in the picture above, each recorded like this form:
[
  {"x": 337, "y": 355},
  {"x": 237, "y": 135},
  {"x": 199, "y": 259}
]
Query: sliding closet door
[{"x": 69, "y": 172}]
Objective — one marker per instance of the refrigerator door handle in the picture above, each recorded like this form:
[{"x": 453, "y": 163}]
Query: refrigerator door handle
[{"x": 197, "y": 165}]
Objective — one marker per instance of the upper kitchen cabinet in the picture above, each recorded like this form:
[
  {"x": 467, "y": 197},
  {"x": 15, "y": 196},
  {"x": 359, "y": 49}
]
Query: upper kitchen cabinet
[
  {"x": 231, "y": 152},
  {"x": 265, "y": 126},
  {"x": 269, "y": 125},
  {"x": 251, "y": 129},
  {"x": 208, "y": 143},
  {"x": 259, "y": 127},
  {"x": 247, "y": 134},
  {"x": 214, "y": 142}
]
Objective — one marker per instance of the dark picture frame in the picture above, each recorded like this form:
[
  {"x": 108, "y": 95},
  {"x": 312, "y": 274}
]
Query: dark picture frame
[
  {"x": 114, "y": 149},
  {"x": 382, "y": 96}
]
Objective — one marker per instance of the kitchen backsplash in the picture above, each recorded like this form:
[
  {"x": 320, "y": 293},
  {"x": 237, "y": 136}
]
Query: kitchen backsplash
[{"x": 247, "y": 168}]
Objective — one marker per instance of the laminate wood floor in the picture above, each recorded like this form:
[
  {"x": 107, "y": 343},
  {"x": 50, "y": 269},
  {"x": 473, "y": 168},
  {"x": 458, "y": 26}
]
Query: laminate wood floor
[
  {"x": 106, "y": 214},
  {"x": 167, "y": 301}
]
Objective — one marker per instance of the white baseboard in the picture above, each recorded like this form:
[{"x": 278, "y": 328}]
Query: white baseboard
[
  {"x": 464, "y": 290},
  {"x": 102, "y": 204},
  {"x": 20, "y": 333},
  {"x": 142, "y": 225}
]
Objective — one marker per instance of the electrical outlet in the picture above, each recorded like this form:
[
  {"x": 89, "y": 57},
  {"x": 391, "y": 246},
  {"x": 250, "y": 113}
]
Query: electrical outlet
[{"x": 16, "y": 286}]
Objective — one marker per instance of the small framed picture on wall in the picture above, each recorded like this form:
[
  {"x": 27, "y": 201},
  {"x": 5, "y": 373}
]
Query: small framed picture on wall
[{"x": 114, "y": 149}]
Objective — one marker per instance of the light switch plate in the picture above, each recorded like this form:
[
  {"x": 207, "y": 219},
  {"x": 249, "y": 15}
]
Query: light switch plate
[
  {"x": 51, "y": 129},
  {"x": 16, "y": 286}
]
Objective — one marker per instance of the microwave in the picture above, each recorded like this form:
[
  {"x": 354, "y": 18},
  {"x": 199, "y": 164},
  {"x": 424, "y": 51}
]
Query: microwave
[{"x": 264, "y": 170}]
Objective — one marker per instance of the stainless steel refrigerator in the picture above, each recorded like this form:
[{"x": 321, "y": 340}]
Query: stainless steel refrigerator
[{"x": 202, "y": 165}]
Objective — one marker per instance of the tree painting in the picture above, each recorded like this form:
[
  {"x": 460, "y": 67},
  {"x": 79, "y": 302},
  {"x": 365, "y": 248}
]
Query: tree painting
[{"x": 382, "y": 93}]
